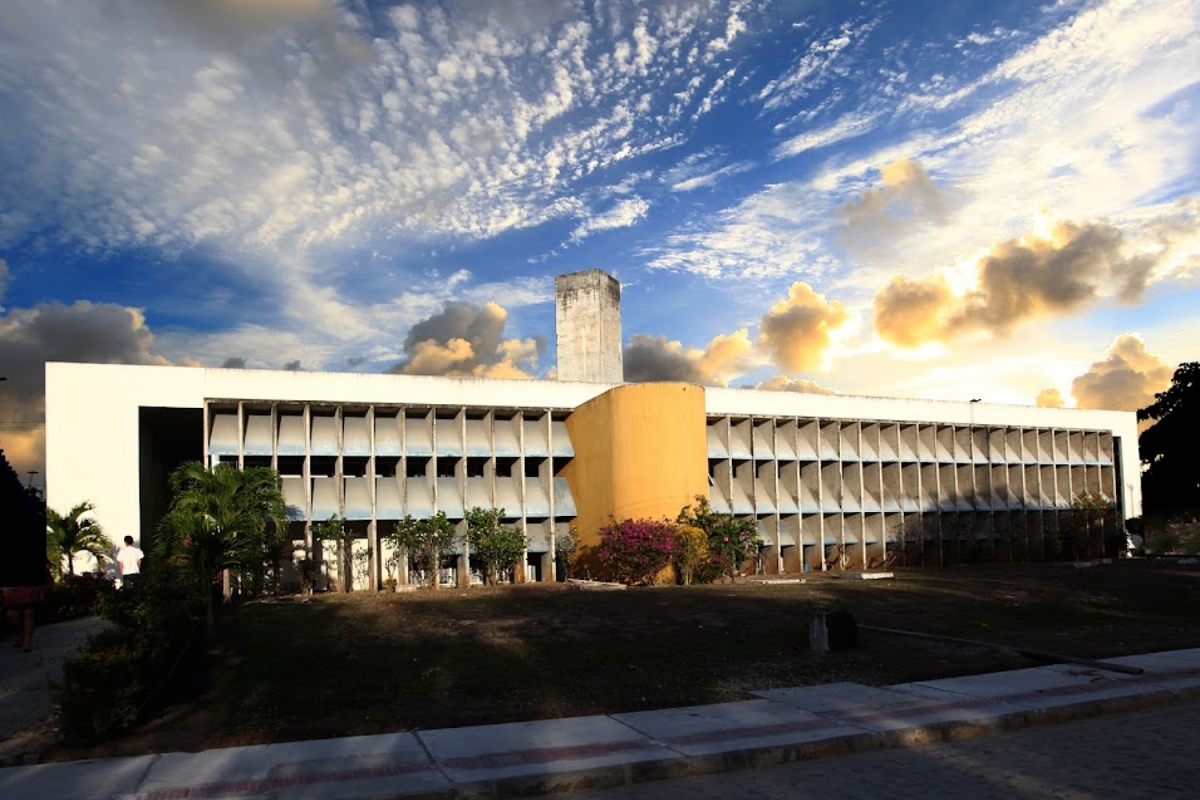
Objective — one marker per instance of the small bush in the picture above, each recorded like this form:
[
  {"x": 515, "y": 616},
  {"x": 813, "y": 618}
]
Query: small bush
[
  {"x": 102, "y": 688},
  {"x": 74, "y": 597},
  {"x": 498, "y": 546},
  {"x": 691, "y": 551},
  {"x": 427, "y": 542},
  {"x": 634, "y": 551},
  {"x": 125, "y": 670},
  {"x": 731, "y": 540}
]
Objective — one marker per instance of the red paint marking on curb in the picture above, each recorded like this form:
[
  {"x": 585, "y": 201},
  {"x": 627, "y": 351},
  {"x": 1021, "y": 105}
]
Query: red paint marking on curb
[{"x": 261, "y": 785}]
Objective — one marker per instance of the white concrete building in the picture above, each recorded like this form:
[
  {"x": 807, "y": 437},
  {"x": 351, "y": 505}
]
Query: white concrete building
[{"x": 829, "y": 479}]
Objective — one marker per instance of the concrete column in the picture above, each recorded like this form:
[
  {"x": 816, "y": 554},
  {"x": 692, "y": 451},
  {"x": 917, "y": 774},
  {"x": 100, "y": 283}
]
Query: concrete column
[
  {"x": 587, "y": 317},
  {"x": 791, "y": 558}
]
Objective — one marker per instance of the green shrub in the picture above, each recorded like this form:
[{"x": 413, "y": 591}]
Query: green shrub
[
  {"x": 102, "y": 688},
  {"x": 731, "y": 540},
  {"x": 498, "y": 546},
  {"x": 691, "y": 551},
  {"x": 427, "y": 542},
  {"x": 128, "y": 669},
  {"x": 74, "y": 597}
]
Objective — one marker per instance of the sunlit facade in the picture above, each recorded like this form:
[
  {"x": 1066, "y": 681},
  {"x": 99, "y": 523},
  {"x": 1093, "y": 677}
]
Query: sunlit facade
[{"x": 831, "y": 481}]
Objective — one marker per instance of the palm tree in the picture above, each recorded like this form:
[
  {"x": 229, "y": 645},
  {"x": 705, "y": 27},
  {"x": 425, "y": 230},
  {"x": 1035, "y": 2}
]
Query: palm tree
[
  {"x": 73, "y": 532},
  {"x": 221, "y": 519}
]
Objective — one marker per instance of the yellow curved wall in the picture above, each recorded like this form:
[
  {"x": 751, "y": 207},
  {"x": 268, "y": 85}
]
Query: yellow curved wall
[{"x": 641, "y": 450}]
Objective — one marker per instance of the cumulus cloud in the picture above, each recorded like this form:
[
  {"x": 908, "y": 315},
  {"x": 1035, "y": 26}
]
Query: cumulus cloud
[
  {"x": 1052, "y": 272},
  {"x": 1126, "y": 380},
  {"x": 782, "y": 383},
  {"x": 906, "y": 199},
  {"x": 796, "y": 332},
  {"x": 99, "y": 333},
  {"x": 236, "y": 362},
  {"x": 467, "y": 340},
  {"x": 656, "y": 358}
]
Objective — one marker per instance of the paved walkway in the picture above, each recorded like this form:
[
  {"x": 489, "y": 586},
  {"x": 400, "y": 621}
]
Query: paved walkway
[
  {"x": 1143, "y": 755},
  {"x": 540, "y": 757},
  {"x": 26, "y": 710}
]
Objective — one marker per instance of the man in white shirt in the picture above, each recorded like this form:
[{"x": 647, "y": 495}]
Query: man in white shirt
[{"x": 129, "y": 562}]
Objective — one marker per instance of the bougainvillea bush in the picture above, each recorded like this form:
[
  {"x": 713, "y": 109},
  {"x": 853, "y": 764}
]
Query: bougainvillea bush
[{"x": 634, "y": 551}]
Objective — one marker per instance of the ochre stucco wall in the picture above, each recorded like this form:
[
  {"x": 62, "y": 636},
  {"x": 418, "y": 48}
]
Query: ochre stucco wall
[{"x": 640, "y": 451}]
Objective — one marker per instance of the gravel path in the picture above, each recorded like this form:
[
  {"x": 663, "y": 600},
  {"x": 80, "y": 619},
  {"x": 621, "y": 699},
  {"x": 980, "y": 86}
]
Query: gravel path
[{"x": 26, "y": 710}]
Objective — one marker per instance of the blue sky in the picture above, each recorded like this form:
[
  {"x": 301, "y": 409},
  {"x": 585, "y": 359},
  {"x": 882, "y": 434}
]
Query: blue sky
[{"x": 923, "y": 199}]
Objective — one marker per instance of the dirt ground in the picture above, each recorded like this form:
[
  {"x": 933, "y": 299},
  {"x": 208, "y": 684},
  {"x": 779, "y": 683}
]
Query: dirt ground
[{"x": 363, "y": 663}]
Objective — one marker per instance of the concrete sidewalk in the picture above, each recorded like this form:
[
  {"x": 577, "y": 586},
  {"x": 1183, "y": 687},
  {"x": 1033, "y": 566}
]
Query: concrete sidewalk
[{"x": 542, "y": 757}]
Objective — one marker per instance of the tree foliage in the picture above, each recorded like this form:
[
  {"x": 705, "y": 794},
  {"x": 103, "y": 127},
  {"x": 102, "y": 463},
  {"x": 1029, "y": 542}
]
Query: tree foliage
[
  {"x": 1171, "y": 480},
  {"x": 427, "y": 542},
  {"x": 731, "y": 540},
  {"x": 691, "y": 552},
  {"x": 1084, "y": 526},
  {"x": 335, "y": 530},
  {"x": 220, "y": 519},
  {"x": 498, "y": 546},
  {"x": 71, "y": 533}
]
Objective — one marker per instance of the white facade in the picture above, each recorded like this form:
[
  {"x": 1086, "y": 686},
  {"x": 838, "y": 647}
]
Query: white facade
[{"x": 817, "y": 471}]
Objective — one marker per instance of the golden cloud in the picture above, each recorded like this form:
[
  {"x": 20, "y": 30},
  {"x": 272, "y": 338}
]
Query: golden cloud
[
  {"x": 1126, "y": 380},
  {"x": 466, "y": 340},
  {"x": 1050, "y": 398},
  {"x": 655, "y": 358},
  {"x": 1054, "y": 272},
  {"x": 782, "y": 383},
  {"x": 797, "y": 331}
]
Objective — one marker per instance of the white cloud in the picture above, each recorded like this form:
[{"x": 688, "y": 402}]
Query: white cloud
[
  {"x": 824, "y": 62},
  {"x": 1090, "y": 121},
  {"x": 846, "y": 127},
  {"x": 775, "y": 233},
  {"x": 624, "y": 214},
  {"x": 709, "y": 179},
  {"x": 468, "y": 124}
]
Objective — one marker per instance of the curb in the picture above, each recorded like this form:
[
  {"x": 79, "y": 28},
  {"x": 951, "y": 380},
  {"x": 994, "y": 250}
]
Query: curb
[{"x": 593, "y": 779}]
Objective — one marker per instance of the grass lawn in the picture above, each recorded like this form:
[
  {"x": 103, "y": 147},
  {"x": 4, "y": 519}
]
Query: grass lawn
[{"x": 369, "y": 663}]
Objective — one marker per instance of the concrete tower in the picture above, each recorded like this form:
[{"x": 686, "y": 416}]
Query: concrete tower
[{"x": 587, "y": 323}]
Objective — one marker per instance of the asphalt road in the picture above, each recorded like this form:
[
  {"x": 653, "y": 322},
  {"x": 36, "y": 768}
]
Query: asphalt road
[{"x": 1147, "y": 755}]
